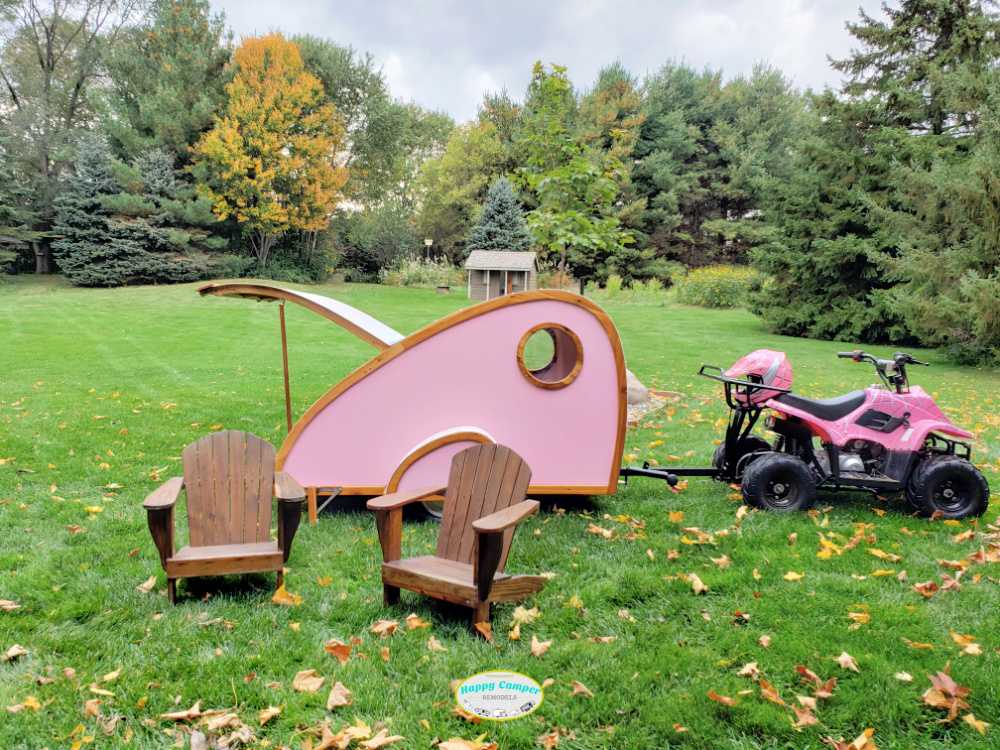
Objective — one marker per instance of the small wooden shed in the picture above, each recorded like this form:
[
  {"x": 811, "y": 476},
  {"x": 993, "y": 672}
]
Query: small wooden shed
[{"x": 495, "y": 273}]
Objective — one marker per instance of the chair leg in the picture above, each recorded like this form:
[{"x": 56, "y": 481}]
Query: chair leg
[
  {"x": 481, "y": 613},
  {"x": 172, "y": 590},
  {"x": 281, "y": 578},
  {"x": 390, "y": 595}
]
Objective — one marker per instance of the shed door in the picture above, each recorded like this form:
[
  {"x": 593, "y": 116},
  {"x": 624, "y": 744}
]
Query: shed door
[{"x": 510, "y": 282}]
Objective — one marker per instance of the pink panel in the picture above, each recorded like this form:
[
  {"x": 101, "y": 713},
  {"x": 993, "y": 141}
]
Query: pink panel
[
  {"x": 467, "y": 375},
  {"x": 432, "y": 468}
]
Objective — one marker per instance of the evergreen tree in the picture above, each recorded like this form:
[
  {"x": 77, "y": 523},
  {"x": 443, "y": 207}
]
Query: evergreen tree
[
  {"x": 500, "y": 225},
  {"x": 861, "y": 214},
  {"x": 168, "y": 80},
  {"x": 101, "y": 245},
  {"x": 15, "y": 217}
]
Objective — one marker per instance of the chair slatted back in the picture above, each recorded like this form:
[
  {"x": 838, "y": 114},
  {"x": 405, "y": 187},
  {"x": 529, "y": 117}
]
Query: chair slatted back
[
  {"x": 484, "y": 479},
  {"x": 229, "y": 481}
]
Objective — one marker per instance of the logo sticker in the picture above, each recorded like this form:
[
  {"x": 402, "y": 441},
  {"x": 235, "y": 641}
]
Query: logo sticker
[{"x": 499, "y": 696}]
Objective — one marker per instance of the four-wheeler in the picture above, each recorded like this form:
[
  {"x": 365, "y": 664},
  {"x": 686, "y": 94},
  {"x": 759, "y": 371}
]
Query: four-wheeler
[{"x": 885, "y": 438}]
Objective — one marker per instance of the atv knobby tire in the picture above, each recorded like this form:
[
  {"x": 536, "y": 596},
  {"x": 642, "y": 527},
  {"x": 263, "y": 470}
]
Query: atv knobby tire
[
  {"x": 779, "y": 481},
  {"x": 948, "y": 484},
  {"x": 746, "y": 446}
]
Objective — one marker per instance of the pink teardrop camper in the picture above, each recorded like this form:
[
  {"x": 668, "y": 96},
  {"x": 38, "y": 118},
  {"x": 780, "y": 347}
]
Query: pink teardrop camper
[{"x": 396, "y": 421}]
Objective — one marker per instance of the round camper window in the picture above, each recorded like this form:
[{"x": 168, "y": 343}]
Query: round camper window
[{"x": 550, "y": 355}]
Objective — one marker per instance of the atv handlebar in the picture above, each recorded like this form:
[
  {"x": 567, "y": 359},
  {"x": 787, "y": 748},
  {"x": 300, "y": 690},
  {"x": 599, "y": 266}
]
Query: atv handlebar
[{"x": 892, "y": 372}]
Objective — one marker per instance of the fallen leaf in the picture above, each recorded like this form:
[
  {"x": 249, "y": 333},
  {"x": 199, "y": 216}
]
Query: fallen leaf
[
  {"x": 524, "y": 616},
  {"x": 13, "y": 652},
  {"x": 914, "y": 644},
  {"x": 859, "y": 617},
  {"x": 342, "y": 651},
  {"x": 767, "y": 691},
  {"x": 148, "y": 585},
  {"x": 8, "y": 606},
  {"x": 806, "y": 702},
  {"x": 962, "y": 640},
  {"x": 111, "y": 676},
  {"x": 358, "y": 731},
  {"x": 805, "y": 717},
  {"x": 580, "y": 689},
  {"x": 751, "y": 671},
  {"x": 539, "y": 647},
  {"x": 380, "y": 740},
  {"x": 323, "y": 581},
  {"x": 385, "y": 654},
  {"x": 433, "y": 645},
  {"x": 413, "y": 622},
  {"x": 549, "y": 740},
  {"x": 846, "y": 661},
  {"x": 793, "y": 576},
  {"x": 91, "y": 707},
  {"x": 826, "y": 690},
  {"x": 808, "y": 675},
  {"x": 925, "y": 589},
  {"x": 676, "y": 516},
  {"x": 972, "y": 721},
  {"x": 678, "y": 728},
  {"x": 765, "y": 641},
  {"x": 384, "y": 628},
  {"x": 696, "y": 585},
  {"x": 307, "y": 681},
  {"x": 485, "y": 629},
  {"x": 547, "y": 682},
  {"x": 904, "y": 676},
  {"x": 722, "y": 698},
  {"x": 282, "y": 597},
  {"x": 192, "y": 713},
  {"x": 722, "y": 562},
  {"x": 339, "y": 696},
  {"x": 973, "y": 649}
]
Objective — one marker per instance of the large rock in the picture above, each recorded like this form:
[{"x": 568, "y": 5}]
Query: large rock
[{"x": 637, "y": 392}]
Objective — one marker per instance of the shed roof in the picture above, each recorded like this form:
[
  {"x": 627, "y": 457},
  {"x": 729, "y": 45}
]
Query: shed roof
[{"x": 500, "y": 260}]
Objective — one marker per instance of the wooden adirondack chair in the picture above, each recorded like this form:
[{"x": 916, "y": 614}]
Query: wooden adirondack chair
[
  {"x": 483, "y": 501},
  {"x": 229, "y": 479}
]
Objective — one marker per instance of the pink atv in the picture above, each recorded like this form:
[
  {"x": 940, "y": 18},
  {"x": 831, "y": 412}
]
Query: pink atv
[{"x": 885, "y": 438}]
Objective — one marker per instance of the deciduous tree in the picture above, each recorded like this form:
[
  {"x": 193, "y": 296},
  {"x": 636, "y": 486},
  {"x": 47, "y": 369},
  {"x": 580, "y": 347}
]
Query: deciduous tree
[{"x": 274, "y": 157}]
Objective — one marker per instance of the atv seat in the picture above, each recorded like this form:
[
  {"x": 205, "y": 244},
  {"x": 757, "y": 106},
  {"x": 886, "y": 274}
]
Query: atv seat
[{"x": 830, "y": 409}]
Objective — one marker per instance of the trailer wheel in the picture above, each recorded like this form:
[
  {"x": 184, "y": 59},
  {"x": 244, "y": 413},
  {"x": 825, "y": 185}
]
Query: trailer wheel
[
  {"x": 948, "y": 484},
  {"x": 748, "y": 445},
  {"x": 779, "y": 481}
]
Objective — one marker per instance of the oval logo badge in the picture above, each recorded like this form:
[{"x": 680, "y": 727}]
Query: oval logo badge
[{"x": 499, "y": 696}]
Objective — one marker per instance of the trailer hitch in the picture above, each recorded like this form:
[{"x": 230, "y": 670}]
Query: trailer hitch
[{"x": 648, "y": 471}]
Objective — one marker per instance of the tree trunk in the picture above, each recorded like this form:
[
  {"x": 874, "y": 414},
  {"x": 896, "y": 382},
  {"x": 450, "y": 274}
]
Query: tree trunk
[
  {"x": 562, "y": 264},
  {"x": 43, "y": 257},
  {"x": 262, "y": 244}
]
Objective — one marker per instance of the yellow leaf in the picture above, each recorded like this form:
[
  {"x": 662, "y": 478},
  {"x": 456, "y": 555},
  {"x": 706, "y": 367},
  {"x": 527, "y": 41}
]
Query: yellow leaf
[
  {"x": 846, "y": 661},
  {"x": 434, "y": 645},
  {"x": 676, "y": 516},
  {"x": 341, "y": 651},
  {"x": 323, "y": 581},
  {"x": 266, "y": 714},
  {"x": 94, "y": 509},
  {"x": 111, "y": 676},
  {"x": 767, "y": 691},
  {"x": 972, "y": 721},
  {"x": 413, "y": 622},
  {"x": 962, "y": 640},
  {"x": 282, "y": 597},
  {"x": 295, "y": 626},
  {"x": 32, "y": 703},
  {"x": 793, "y": 576}
]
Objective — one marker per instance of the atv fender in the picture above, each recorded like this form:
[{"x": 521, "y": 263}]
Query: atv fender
[{"x": 913, "y": 437}]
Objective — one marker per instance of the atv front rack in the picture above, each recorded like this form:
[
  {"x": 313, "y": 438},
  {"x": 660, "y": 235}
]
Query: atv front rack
[{"x": 742, "y": 388}]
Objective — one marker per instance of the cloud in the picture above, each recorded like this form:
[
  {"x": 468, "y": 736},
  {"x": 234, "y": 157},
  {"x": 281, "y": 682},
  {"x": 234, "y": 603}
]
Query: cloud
[{"x": 446, "y": 53}]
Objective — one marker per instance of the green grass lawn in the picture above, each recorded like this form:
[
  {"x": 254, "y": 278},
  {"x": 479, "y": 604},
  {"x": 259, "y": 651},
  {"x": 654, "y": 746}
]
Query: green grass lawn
[{"x": 100, "y": 390}]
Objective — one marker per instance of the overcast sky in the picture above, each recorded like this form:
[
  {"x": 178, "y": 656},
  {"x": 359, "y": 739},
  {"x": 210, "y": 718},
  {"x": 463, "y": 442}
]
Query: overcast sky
[{"x": 445, "y": 53}]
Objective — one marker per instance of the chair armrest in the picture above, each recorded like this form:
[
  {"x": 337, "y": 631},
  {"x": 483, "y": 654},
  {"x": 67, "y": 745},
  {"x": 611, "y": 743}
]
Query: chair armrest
[
  {"x": 286, "y": 488},
  {"x": 399, "y": 499},
  {"x": 504, "y": 519},
  {"x": 160, "y": 516},
  {"x": 164, "y": 496}
]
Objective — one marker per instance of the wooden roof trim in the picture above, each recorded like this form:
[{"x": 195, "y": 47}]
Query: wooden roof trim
[{"x": 361, "y": 324}]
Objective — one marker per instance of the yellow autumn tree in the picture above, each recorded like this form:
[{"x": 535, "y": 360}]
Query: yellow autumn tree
[{"x": 271, "y": 161}]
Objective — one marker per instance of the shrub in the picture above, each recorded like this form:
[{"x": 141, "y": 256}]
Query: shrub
[
  {"x": 413, "y": 271},
  {"x": 613, "y": 286},
  {"x": 716, "y": 286}
]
